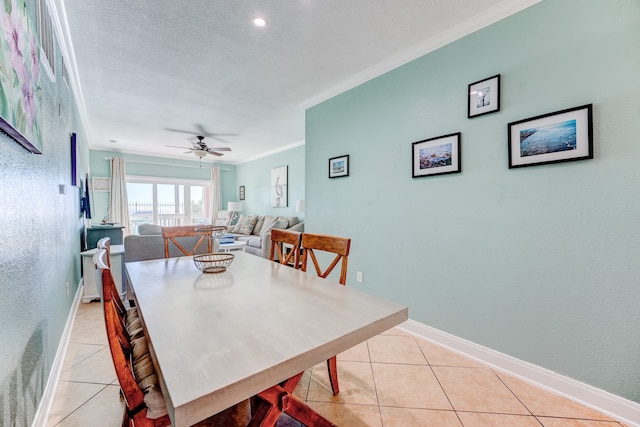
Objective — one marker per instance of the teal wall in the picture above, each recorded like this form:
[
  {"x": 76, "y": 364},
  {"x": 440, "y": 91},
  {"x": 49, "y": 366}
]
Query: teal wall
[
  {"x": 39, "y": 248},
  {"x": 158, "y": 167},
  {"x": 256, "y": 177},
  {"x": 540, "y": 263}
]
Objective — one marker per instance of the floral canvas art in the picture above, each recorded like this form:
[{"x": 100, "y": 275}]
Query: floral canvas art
[{"x": 19, "y": 76}]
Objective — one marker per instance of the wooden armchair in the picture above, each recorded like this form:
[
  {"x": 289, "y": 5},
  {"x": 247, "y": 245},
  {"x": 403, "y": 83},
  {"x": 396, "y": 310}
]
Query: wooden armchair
[
  {"x": 339, "y": 246},
  {"x": 281, "y": 237}
]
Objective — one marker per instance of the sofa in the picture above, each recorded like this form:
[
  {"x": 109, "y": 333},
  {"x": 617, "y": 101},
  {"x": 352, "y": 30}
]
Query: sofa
[
  {"x": 149, "y": 244},
  {"x": 256, "y": 231}
]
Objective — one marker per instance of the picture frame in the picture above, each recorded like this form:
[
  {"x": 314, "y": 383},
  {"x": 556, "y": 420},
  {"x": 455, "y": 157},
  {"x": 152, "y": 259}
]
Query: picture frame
[
  {"x": 101, "y": 183},
  {"x": 436, "y": 156},
  {"x": 279, "y": 187},
  {"x": 483, "y": 97},
  {"x": 74, "y": 160},
  {"x": 241, "y": 192},
  {"x": 339, "y": 166},
  {"x": 561, "y": 136},
  {"x": 20, "y": 108}
]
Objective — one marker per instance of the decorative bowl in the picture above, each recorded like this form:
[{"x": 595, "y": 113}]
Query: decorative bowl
[{"x": 213, "y": 263}]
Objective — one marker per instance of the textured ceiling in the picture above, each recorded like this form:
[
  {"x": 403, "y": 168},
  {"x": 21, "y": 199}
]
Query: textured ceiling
[{"x": 145, "y": 67}]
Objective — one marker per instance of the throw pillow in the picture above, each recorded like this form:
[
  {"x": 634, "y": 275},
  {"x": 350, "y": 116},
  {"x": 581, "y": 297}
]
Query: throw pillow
[
  {"x": 245, "y": 224},
  {"x": 268, "y": 224},
  {"x": 293, "y": 221},
  {"x": 282, "y": 224},
  {"x": 258, "y": 228}
]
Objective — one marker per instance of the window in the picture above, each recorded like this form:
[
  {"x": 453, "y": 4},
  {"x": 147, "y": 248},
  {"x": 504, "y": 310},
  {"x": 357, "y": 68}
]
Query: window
[{"x": 167, "y": 202}]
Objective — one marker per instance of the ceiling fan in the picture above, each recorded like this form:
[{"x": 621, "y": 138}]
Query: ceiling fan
[
  {"x": 201, "y": 131},
  {"x": 200, "y": 148}
]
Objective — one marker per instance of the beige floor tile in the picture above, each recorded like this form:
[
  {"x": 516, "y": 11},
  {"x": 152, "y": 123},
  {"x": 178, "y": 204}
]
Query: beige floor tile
[
  {"x": 543, "y": 403},
  {"x": 567, "y": 422},
  {"x": 355, "y": 380},
  {"x": 477, "y": 390},
  {"x": 348, "y": 415},
  {"x": 397, "y": 331},
  {"x": 302, "y": 389},
  {"x": 76, "y": 353},
  {"x": 408, "y": 386},
  {"x": 104, "y": 410},
  {"x": 358, "y": 353},
  {"x": 90, "y": 332},
  {"x": 407, "y": 417},
  {"x": 70, "y": 396},
  {"x": 395, "y": 349},
  {"x": 439, "y": 356},
  {"x": 471, "y": 419},
  {"x": 97, "y": 368},
  {"x": 91, "y": 310}
]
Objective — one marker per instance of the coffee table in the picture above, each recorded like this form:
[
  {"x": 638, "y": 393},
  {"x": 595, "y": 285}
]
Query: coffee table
[{"x": 237, "y": 245}]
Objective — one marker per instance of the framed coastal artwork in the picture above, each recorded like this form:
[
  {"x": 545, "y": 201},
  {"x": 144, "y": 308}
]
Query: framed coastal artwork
[
  {"x": 561, "y": 136},
  {"x": 484, "y": 97},
  {"x": 339, "y": 166},
  {"x": 20, "y": 103},
  {"x": 279, "y": 187},
  {"x": 436, "y": 156}
]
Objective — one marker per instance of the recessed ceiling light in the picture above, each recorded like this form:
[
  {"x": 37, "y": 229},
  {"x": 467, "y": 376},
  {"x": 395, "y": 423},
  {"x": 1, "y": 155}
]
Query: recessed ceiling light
[{"x": 259, "y": 21}]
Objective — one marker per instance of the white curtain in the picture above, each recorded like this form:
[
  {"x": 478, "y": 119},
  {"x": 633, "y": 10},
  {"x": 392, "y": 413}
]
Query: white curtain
[
  {"x": 216, "y": 194},
  {"x": 119, "y": 204}
]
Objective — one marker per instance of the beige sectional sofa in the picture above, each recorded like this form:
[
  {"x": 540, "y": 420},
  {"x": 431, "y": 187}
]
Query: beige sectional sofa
[{"x": 256, "y": 231}]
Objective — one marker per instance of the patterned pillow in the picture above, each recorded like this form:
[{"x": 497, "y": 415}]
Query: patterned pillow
[
  {"x": 245, "y": 224},
  {"x": 281, "y": 224}
]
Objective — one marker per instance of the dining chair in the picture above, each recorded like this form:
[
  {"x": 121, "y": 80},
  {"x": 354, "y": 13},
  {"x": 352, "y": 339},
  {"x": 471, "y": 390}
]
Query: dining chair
[
  {"x": 171, "y": 233},
  {"x": 338, "y": 246},
  {"x": 281, "y": 237}
]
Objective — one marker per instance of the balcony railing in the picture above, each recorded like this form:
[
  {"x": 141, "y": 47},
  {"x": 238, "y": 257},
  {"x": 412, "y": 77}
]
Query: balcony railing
[{"x": 142, "y": 213}]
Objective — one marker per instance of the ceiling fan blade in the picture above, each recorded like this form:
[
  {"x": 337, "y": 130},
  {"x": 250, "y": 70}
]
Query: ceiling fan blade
[
  {"x": 215, "y": 153},
  {"x": 175, "y": 146},
  {"x": 219, "y": 149},
  {"x": 182, "y": 131}
]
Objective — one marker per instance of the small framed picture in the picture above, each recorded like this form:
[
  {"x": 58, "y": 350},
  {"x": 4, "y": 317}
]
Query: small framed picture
[
  {"x": 241, "y": 192},
  {"x": 484, "y": 97},
  {"x": 436, "y": 156},
  {"x": 562, "y": 136},
  {"x": 339, "y": 166}
]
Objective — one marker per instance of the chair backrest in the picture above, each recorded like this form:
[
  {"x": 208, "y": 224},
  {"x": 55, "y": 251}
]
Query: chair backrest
[
  {"x": 105, "y": 243},
  {"x": 171, "y": 233},
  {"x": 280, "y": 237},
  {"x": 336, "y": 245}
]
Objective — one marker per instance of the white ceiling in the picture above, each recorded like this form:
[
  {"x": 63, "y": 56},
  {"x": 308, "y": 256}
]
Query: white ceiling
[{"x": 143, "y": 67}]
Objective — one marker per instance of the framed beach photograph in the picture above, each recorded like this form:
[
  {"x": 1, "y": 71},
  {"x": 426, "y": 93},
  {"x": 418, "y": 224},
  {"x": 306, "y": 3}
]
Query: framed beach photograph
[
  {"x": 484, "y": 97},
  {"x": 339, "y": 166},
  {"x": 436, "y": 156},
  {"x": 562, "y": 136},
  {"x": 241, "y": 192}
]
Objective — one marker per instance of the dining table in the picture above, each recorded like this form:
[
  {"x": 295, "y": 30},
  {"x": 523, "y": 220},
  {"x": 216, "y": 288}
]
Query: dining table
[{"x": 217, "y": 339}]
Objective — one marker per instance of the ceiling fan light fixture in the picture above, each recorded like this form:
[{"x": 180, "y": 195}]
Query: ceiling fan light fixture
[{"x": 200, "y": 153}]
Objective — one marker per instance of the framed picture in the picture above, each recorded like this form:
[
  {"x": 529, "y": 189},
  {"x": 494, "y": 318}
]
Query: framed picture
[
  {"x": 20, "y": 103},
  {"x": 74, "y": 160},
  {"x": 241, "y": 192},
  {"x": 279, "y": 187},
  {"x": 436, "y": 156},
  {"x": 339, "y": 166},
  {"x": 101, "y": 183},
  {"x": 484, "y": 97},
  {"x": 562, "y": 136}
]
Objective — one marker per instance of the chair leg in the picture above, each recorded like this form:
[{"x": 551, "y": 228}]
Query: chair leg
[{"x": 332, "y": 366}]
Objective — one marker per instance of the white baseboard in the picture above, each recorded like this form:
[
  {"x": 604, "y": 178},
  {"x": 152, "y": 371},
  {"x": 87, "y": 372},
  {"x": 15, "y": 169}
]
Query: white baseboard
[
  {"x": 604, "y": 402},
  {"x": 42, "y": 414}
]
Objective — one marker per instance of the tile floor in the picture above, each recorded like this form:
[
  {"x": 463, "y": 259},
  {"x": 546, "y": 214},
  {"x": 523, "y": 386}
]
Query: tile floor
[{"x": 393, "y": 379}]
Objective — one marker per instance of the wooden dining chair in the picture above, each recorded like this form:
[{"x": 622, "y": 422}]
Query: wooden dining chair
[
  {"x": 281, "y": 237},
  {"x": 199, "y": 237},
  {"x": 338, "y": 246}
]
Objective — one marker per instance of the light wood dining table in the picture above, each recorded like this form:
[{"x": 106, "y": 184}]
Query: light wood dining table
[{"x": 218, "y": 339}]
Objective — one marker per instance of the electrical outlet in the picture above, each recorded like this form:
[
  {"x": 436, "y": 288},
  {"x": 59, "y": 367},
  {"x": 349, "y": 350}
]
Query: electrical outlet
[
  {"x": 359, "y": 276},
  {"x": 68, "y": 289}
]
